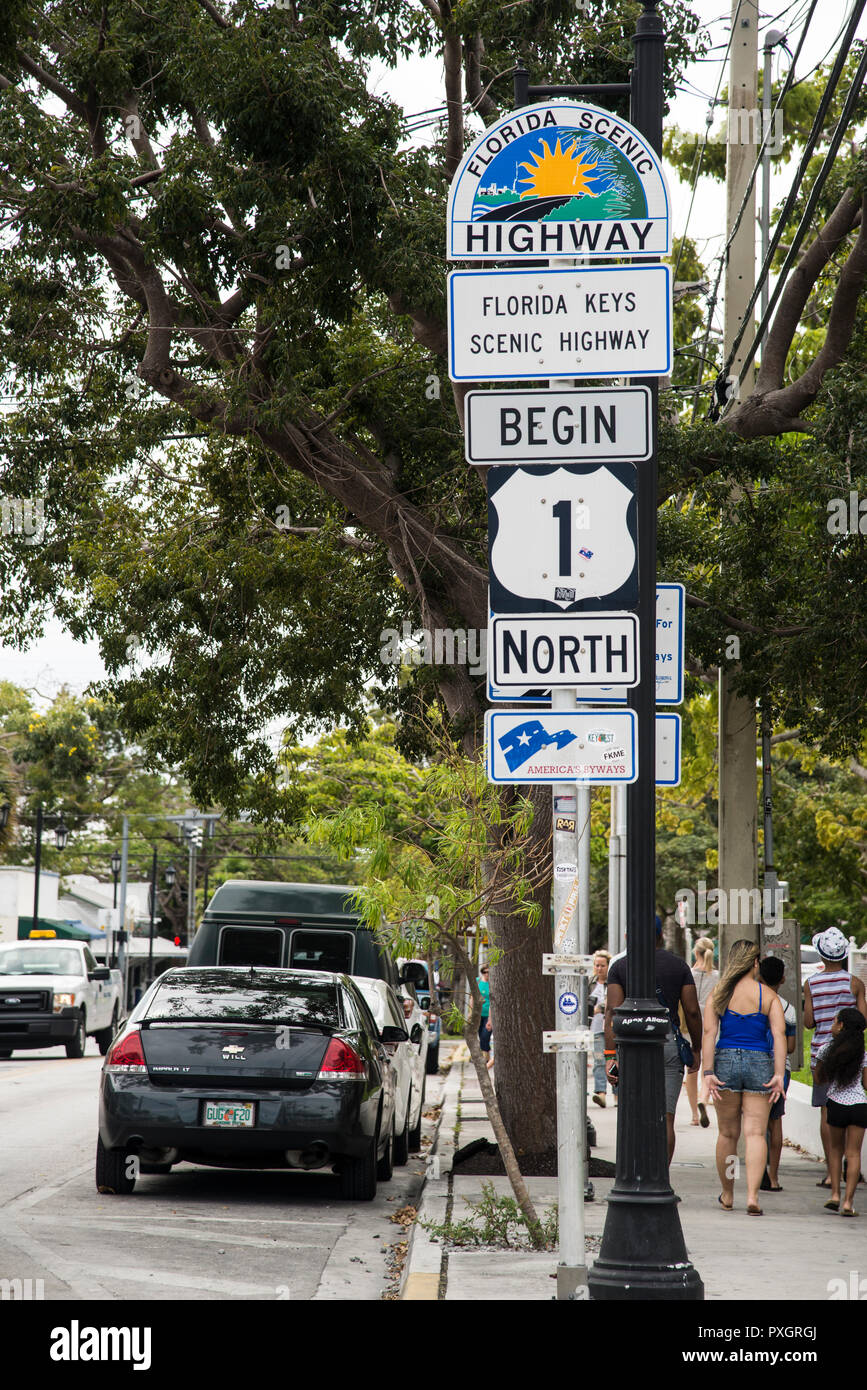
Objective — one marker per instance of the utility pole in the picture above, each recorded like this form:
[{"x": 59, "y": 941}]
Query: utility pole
[{"x": 738, "y": 845}]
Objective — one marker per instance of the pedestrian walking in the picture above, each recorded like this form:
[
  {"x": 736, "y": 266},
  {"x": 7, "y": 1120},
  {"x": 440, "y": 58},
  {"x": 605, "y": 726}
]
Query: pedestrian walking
[
  {"x": 841, "y": 1066},
  {"x": 772, "y": 972},
  {"x": 485, "y": 1026},
  {"x": 825, "y": 994},
  {"x": 674, "y": 987},
  {"x": 743, "y": 1077},
  {"x": 597, "y": 1025},
  {"x": 705, "y": 982}
]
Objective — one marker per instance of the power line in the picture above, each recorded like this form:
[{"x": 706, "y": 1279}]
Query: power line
[
  {"x": 812, "y": 140},
  {"x": 740, "y": 213},
  {"x": 804, "y": 224}
]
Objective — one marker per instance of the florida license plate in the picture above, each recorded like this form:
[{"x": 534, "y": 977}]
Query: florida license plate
[{"x": 235, "y": 1114}]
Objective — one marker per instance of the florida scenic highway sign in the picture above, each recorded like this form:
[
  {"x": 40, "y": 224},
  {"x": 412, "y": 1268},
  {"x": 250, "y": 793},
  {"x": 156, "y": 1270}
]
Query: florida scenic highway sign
[
  {"x": 562, "y": 539},
  {"x": 559, "y": 179}
]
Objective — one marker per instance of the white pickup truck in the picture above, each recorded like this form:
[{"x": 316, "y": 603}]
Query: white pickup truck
[{"x": 54, "y": 992}]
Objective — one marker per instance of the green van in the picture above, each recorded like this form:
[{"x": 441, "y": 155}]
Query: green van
[{"x": 298, "y": 926}]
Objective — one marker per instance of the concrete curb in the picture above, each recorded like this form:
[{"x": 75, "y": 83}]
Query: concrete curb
[{"x": 423, "y": 1267}]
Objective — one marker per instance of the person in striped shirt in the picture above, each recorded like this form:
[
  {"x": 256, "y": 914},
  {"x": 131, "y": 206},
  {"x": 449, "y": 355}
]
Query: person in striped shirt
[{"x": 825, "y": 994}]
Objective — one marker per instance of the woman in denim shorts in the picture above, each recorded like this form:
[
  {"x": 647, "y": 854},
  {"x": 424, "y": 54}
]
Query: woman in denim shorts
[{"x": 742, "y": 1021}]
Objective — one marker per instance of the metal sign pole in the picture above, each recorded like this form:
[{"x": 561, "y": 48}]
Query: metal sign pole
[
  {"x": 643, "y": 1254},
  {"x": 571, "y": 1064}
]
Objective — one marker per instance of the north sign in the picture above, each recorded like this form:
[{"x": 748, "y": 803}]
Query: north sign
[
  {"x": 562, "y": 539},
  {"x": 594, "y": 748},
  {"x": 549, "y": 426},
  {"x": 559, "y": 179},
  {"x": 670, "y": 604},
  {"x": 563, "y": 649},
  {"x": 539, "y": 325}
]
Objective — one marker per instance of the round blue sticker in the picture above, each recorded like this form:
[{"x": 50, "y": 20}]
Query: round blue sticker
[{"x": 568, "y": 1003}]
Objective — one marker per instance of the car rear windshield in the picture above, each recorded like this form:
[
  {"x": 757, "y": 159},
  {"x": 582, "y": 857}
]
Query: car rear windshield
[
  {"x": 248, "y": 997},
  {"x": 59, "y": 961}
]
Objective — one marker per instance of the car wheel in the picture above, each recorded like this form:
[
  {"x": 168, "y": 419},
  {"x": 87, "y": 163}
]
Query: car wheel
[
  {"x": 105, "y": 1035},
  {"x": 358, "y": 1175},
  {"x": 116, "y": 1170},
  {"x": 432, "y": 1065},
  {"x": 415, "y": 1134},
  {"x": 76, "y": 1045},
  {"x": 401, "y": 1141},
  {"x": 385, "y": 1166}
]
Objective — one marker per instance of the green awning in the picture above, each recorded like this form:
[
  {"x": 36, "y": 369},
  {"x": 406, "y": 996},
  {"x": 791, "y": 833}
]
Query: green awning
[{"x": 62, "y": 930}]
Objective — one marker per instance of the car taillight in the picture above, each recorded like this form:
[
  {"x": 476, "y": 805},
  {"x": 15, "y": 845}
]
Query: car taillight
[
  {"x": 407, "y": 1008},
  {"x": 341, "y": 1063},
  {"x": 127, "y": 1055}
]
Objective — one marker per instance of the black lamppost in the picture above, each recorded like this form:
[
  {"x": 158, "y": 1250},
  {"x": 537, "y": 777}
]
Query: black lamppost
[
  {"x": 61, "y": 835},
  {"x": 115, "y": 869},
  {"x": 643, "y": 1255},
  {"x": 4, "y": 815}
]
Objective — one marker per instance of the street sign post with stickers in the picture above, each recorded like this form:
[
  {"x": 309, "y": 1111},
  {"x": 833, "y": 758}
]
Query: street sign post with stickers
[{"x": 572, "y": 524}]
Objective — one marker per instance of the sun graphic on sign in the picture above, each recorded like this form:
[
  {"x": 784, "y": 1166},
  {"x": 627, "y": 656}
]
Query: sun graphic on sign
[{"x": 558, "y": 171}]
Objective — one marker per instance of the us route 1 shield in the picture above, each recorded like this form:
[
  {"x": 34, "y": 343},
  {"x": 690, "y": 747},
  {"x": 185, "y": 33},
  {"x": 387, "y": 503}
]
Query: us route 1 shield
[
  {"x": 538, "y": 325},
  {"x": 561, "y": 178},
  {"x": 594, "y": 748},
  {"x": 562, "y": 539},
  {"x": 604, "y": 425},
  {"x": 562, "y": 649}
]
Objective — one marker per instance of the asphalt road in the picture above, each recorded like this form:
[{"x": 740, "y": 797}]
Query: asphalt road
[{"x": 197, "y": 1233}]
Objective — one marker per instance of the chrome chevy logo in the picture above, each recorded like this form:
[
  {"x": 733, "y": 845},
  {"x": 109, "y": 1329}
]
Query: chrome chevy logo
[{"x": 233, "y": 1053}]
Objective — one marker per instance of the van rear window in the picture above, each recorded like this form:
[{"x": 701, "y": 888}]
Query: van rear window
[
  {"x": 251, "y": 946},
  {"x": 322, "y": 950}
]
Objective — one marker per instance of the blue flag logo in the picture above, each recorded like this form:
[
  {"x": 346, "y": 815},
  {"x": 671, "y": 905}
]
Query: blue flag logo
[{"x": 525, "y": 740}]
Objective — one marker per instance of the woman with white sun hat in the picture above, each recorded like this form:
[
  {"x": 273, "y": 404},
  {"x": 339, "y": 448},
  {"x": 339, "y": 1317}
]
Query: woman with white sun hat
[{"x": 825, "y": 994}]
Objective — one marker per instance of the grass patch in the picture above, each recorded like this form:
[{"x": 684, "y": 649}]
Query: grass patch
[
  {"x": 495, "y": 1221},
  {"x": 805, "y": 1074}
]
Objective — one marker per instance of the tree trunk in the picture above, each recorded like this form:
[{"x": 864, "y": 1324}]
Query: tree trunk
[{"x": 522, "y": 1005}]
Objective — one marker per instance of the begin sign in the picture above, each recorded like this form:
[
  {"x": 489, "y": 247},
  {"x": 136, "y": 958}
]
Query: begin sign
[{"x": 558, "y": 426}]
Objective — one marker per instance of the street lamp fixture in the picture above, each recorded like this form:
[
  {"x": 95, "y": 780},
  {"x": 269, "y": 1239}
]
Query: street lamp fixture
[
  {"x": 4, "y": 815},
  {"x": 170, "y": 875},
  {"x": 61, "y": 833}
]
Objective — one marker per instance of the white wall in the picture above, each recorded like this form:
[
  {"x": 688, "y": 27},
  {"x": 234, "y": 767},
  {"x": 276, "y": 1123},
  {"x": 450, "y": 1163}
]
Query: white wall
[{"x": 16, "y": 897}]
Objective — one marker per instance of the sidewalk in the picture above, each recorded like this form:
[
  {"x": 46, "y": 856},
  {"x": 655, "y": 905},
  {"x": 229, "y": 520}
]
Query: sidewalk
[{"x": 790, "y": 1253}]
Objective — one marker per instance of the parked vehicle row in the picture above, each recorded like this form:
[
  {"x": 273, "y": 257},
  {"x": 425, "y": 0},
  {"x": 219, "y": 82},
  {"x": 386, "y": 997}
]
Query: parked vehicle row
[{"x": 52, "y": 992}]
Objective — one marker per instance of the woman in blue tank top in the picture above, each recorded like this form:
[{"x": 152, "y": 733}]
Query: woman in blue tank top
[{"x": 742, "y": 1020}]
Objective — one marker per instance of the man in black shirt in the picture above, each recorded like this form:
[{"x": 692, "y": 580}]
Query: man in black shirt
[{"x": 675, "y": 983}]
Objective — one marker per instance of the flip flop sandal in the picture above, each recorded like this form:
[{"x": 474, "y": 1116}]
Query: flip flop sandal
[
  {"x": 823, "y": 1183},
  {"x": 832, "y": 1206},
  {"x": 754, "y": 1211},
  {"x": 723, "y": 1204},
  {"x": 775, "y": 1189},
  {"x": 703, "y": 1116},
  {"x": 844, "y": 1212}
]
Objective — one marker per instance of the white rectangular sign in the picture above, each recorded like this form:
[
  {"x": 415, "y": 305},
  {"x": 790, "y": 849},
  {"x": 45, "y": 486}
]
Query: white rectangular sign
[
  {"x": 537, "y": 325},
  {"x": 595, "y": 747},
  {"x": 558, "y": 426},
  {"x": 555, "y": 649},
  {"x": 670, "y": 603},
  {"x": 669, "y": 662},
  {"x": 667, "y": 750}
]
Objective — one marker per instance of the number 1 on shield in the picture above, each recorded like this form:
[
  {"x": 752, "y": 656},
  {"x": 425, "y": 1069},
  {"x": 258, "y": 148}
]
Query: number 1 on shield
[{"x": 563, "y": 512}]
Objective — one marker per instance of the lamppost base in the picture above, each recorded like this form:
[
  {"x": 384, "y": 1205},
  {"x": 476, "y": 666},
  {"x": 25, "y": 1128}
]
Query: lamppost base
[
  {"x": 571, "y": 1283},
  {"x": 651, "y": 1261}
]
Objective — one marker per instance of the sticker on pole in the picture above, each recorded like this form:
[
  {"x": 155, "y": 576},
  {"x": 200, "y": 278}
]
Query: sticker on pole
[
  {"x": 562, "y": 178},
  {"x": 568, "y": 1004},
  {"x": 594, "y": 747}
]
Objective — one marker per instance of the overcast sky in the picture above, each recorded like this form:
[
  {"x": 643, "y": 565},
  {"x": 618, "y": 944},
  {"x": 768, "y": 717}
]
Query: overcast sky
[{"x": 57, "y": 660}]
